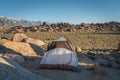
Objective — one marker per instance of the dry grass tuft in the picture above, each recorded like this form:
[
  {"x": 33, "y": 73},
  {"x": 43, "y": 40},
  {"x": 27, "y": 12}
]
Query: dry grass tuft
[{"x": 83, "y": 40}]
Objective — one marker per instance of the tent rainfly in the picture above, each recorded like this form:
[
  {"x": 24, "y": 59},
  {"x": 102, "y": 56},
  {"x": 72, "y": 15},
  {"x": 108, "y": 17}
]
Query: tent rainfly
[{"x": 59, "y": 55}]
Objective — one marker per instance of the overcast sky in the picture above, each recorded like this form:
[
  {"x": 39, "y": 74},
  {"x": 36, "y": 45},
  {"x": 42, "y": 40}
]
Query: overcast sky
[{"x": 72, "y": 11}]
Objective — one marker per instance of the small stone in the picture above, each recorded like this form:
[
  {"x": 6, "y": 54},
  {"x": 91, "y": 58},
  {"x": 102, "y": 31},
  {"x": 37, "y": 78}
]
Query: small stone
[{"x": 78, "y": 49}]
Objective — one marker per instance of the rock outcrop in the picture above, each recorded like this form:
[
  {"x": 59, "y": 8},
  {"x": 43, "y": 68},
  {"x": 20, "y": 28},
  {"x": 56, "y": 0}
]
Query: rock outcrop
[
  {"x": 18, "y": 37},
  {"x": 22, "y": 48},
  {"x": 10, "y": 70},
  {"x": 34, "y": 41}
]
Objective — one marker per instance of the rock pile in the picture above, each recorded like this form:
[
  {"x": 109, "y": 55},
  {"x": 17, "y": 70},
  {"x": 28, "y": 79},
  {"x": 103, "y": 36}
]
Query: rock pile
[
  {"x": 23, "y": 45},
  {"x": 107, "y": 60}
]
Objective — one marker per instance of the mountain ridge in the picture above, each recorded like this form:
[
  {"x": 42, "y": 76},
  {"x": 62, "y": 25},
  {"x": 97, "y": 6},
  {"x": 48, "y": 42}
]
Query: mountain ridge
[{"x": 6, "y": 21}]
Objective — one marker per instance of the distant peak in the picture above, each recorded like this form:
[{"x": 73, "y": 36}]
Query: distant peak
[
  {"x": 8, "y": 21},
  {"x": 17, "y": 19}
]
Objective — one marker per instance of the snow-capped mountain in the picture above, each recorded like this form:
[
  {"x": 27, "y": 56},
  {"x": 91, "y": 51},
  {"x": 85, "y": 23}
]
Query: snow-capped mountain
[{"x": 6, "y": 21}]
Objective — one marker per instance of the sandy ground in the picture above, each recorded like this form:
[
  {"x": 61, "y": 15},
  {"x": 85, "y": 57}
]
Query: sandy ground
[
  {"x": 83, "y": 72},
  {"x": 10, "y": 70}
]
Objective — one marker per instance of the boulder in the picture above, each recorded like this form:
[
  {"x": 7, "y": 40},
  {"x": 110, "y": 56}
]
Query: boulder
[
  {"x": 102, "y": 62},
  {"x": 112, "y": 64},
  {"x": 19, "y": 30},
  {"x": 111, "y": 58},
  {"x": 118, "y": 60},
  {"x": 10, "y": 70},
  {"x": 18, "y": 37},
  {"x": 108, "y": 57},
  {"x": 84, "y": 61},
  {"x": 3, "y": 40},
  {"x": 78, "y": 49},
  {"x": 72, "y": 30},
  {"x": 22, "y": 48},
  {"x": 50, "y": 29},
  {"x": 34, "y": 41}
]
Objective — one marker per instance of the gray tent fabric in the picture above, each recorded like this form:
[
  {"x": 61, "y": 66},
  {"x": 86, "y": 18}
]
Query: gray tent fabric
[
  {"x": 60, "y": 39},
  {"x": 60, "y": 56}
]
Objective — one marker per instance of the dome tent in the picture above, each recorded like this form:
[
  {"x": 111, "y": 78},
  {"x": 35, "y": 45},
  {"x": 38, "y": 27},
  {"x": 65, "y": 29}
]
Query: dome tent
[
  {"x": 61, "y": 43},
  {"x": 60, "y": 55}
]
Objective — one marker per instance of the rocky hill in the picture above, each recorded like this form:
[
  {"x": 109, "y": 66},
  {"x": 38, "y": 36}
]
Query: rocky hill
[{"x": 19, "y": 25}]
